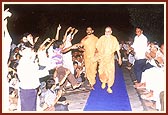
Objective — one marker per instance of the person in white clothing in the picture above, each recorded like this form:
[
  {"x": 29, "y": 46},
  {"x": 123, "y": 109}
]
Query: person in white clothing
[
  {"x": 29, "y": 74},
  {"x": 139, "y": 46},
  {"x": 67, "y": 56},
  {"x": 6, "y": 45},
  {"x": 151, "y": 77},
  {"x": 42, "y": 54}
]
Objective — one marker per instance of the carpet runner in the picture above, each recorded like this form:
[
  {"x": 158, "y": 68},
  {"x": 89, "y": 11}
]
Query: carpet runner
[{"x": 100, "y": 100}]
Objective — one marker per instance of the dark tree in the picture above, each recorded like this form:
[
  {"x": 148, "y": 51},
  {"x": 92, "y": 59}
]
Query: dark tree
[{"x": 150, "y": 18}]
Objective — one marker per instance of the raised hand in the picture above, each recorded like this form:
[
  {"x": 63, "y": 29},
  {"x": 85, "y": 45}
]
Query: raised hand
[
  {"x": 35, "y": 39},
  {"x": 59, "y": 27},
  {"x": 72, "y": 30},
  {"x": 69, "y": 29},
  {"x": 7, "y": 13},
  {"x": 48, "y": 40},
  {"x": 76, "y": 30},
  {"x": 75, "y": 46}
]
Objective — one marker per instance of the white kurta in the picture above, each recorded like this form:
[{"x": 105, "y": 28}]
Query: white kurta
[{"x": 67, "y": 57}]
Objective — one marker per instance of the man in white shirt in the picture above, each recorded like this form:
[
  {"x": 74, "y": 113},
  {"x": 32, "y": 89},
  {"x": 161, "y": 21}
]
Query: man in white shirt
[
  {"x": 29, "y": 74},
  {"x": 140, "y": 47}
]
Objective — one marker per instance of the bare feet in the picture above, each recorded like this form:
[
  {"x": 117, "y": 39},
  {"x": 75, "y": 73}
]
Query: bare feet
[
  {"x": 91, "y": 87},
  {"x": 103, "y": 85},
  {"x": 109, "y": 90},
  {"x": 140, "y": 85},
  {"x": 151, "y": 104},
  {"x": 147, "y": 96}
]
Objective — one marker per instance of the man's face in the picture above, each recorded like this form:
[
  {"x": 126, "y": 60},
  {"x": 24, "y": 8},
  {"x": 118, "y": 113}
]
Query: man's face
[
  {"x": 29, "y": 37},
  {"x": 138, "y": 31},
  {"x": 108, "y": 31},
  {"x": 75, "y": 66},
  {"x": 89, "y": 31}
]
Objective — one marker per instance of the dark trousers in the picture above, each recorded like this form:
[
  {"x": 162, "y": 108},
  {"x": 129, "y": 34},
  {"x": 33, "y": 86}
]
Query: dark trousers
[
  {"x": 147, "y": 66},
  {"x": 139, "y": 68},
  {"x": 28, "y": 99},
  {"x": 61, "y": 73}
]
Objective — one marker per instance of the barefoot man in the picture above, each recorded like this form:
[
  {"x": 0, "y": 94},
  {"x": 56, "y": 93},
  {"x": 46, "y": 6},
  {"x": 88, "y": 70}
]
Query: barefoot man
[
  {"x": 106, "y": 46},
  {"x": 89, "y": 47}
]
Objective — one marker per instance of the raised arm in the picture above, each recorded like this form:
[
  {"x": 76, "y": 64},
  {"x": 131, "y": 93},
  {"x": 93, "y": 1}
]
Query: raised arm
[
  {"x": 76, "y": 31},
  {"x": 75, "y": 46},
  {"x": 81, "y": 44},
  {"x": 43, "y": 44},
  {"x": 48, "y": 45},
  {"x": 57, "y": 34},
  {"x": 45, "y": 41},
  {"x": 5, "y": 16},
  {"x": 65, "y": 35},
  {"x": 35, "y": 39}
]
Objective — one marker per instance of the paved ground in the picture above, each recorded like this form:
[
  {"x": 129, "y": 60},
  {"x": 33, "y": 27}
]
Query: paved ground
[
  {"x": 137, "y": 104},
  {"x": 77, "y": 98}
]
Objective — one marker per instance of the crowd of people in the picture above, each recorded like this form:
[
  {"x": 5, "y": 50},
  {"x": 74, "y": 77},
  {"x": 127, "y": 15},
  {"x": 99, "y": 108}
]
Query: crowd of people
[
  {"x": 147, "y": 60},
  {"x": 42, "y": 72}
]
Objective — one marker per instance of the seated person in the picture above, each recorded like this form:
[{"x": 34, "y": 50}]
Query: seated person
[
  {"x": 51, "y": 96},
  {"x": 13, "y": 99}
]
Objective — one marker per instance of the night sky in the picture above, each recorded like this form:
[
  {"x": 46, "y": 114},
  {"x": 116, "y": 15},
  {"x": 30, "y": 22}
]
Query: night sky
[{"x": 28, "y": 17}]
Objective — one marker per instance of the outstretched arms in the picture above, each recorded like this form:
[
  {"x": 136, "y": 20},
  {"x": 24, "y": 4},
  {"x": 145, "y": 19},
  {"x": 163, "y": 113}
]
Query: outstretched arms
[
  {"x": 57, "y": 34},
  {"x": 65, "y": 35},
  {"x": 75, "y": 46},
  {"x": 75, "y": 31},
  {"x": 6, "y": 14}
]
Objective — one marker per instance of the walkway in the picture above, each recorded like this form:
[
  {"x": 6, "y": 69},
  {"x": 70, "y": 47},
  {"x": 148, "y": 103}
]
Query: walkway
[{"x": 77, "y": 98}]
